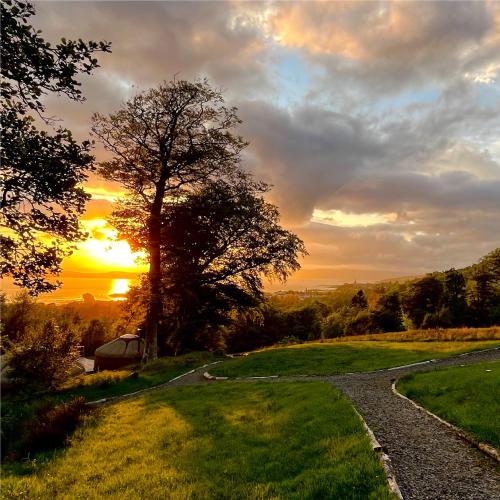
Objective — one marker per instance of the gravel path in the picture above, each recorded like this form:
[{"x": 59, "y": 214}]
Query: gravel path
[{"x": 429, "y": 460}]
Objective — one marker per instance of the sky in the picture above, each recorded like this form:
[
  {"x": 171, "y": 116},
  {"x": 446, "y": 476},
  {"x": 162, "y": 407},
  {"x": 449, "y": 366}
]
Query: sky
[{"x": 377, "y": 123}]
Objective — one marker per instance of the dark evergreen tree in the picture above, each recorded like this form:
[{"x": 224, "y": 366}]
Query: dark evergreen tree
[
  {"x": 359, "y": 300},
  {"x": 387, "y": 314}
]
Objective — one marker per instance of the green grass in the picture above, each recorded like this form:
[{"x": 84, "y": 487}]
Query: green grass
[
  {"x": 17, "y": 409},
  {"x": 111, "y": 383},
  {"x": 232, "y": 440},
  {"x": 431, "y": 335},
  {"x": 466, "y": 396},
  {"x": 333, "y": 358}
]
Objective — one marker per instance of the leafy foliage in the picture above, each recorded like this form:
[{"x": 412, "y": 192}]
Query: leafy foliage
[
  {"x": 40, "y": 197},
  {"x": 164, "y": 140},
  {"x": 422, "y": 298},
  {"x": 216, "y": 244},
  {"x": 208, "y": 234},
  {"x": 387, "y": 314},
  {"x": 43, "y": 357},
  {"x": 359, "y": 300}
]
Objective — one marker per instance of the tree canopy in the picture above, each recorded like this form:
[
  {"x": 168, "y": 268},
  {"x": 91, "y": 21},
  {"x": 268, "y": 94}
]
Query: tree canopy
[
  {"x": 40, "y": 189},
  {"x": 165, "y": 140},
  {"x": 217, "y": 242}
]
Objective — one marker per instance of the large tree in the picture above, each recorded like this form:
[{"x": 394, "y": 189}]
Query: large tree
[
  {"x": 162, "y": 141},
  {"x": 423, "y": 297},
  {"x": 40, "y": 193},
  {"x": 217, "y": 243},
  {"x": 455, "y": 296}
]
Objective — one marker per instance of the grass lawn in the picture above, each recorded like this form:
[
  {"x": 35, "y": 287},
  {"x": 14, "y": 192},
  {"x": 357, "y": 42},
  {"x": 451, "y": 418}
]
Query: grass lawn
[
  {"x": 341, "y": 357},
  {"x": 16, "y": 409},
  {"x": 231, "y": 440},
  {"x": 114, "y": 383},
  {"x": 431, "y": 335},
  {"x": 466, "y": 396}
]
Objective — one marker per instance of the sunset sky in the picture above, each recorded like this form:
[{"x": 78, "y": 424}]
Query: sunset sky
[{"x": 377, "y": 123}]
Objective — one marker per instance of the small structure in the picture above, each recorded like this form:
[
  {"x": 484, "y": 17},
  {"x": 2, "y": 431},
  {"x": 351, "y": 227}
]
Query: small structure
[{"x": 123, "y": 351}]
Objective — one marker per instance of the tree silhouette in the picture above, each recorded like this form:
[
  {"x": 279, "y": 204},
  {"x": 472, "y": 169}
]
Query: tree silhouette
[
  {"x": 217, "y": 242},
  {"x": 359, "y": 300},
  {"x": 40, "y": 197},
  {"x": 163, "y": 141}
]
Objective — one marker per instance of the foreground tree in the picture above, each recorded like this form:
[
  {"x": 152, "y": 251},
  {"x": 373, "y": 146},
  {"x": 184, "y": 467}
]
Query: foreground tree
[
  {"x": 165, "y": 140},
  {"x": 217, "y": 243},
  {"x": 40, "y": 197}
]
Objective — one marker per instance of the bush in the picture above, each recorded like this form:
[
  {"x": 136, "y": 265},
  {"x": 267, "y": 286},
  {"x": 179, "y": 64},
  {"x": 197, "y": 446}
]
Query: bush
[
  {"x": 332, "y": 326},
  {"x": 290, "y": 340},
  {"x": 52, "y": 426},
  {"x": 360, "y": 324},
  {"x": 43, "y": 357}
]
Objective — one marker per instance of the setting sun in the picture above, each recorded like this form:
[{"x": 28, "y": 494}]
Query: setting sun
[
  {"x": 103, "y": 251},
  {"x": 119, "y": 287}
]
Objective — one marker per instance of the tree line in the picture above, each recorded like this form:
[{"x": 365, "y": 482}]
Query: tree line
[{"x": 468, "y": 297}]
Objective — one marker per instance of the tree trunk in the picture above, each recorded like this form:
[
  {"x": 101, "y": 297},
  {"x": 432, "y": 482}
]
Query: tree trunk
[{"x": 155, "y": 301}]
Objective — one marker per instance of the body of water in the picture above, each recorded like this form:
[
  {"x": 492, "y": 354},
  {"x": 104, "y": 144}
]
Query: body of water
[{"x": 109, "y": 288}]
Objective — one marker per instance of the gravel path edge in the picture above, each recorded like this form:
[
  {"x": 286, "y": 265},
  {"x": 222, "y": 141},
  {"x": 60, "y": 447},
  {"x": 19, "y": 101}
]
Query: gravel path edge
[
  {"x": 121, "y": 397},
  {"x": 383, "y": 458},
  {"x": 484, "y": 447}
]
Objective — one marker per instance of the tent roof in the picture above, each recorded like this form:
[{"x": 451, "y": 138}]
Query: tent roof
[{"x": 126, "y": 346}]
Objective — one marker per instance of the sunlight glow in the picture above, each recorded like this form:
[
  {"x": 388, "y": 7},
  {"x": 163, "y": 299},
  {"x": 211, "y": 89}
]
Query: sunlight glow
[
  {"x": 345, "y": 219},
  {"x": 102, "y": 251},
  {"x": 119, "y": 287}
]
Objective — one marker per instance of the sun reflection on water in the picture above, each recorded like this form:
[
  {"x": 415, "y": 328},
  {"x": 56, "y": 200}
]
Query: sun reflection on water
[{"x": 119, "y": 289}]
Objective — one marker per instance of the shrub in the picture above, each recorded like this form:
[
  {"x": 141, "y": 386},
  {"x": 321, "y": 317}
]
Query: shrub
[
  {"x": 43, "y": 357},
  {"x": 361, "y": 323},
  {"x": 52, "y": 426},
  {"x": 332, "y": 326},
  {"x": 289, "y": 340}
]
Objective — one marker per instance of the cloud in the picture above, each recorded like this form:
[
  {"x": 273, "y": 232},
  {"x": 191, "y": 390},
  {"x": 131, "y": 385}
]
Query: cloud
[
  {"x": 386, "y": 46},
  {"x": 378, "y": 110}
]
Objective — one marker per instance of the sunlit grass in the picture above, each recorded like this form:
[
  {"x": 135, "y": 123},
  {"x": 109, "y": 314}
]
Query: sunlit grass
[
  {"x": 436, "y": 335},
  {"x": 114, "y": 383},
  {"x": 314, "y": 358},
  {"x": 249, "y": 440},
  {"x": 466, "y": 396}
]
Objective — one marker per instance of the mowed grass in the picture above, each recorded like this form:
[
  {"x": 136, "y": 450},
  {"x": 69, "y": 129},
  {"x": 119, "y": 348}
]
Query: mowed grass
[
  {"x": 231, "y": 440},
  {"x": 114, "y": 383},
  {"x": 341, "y": 357},
  {"x": 18, "y": 408},
  {"x": 466, "y": 396}
]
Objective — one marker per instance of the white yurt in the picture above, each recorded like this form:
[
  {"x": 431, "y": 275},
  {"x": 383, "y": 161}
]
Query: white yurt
[{"x": 123, "y": 351}]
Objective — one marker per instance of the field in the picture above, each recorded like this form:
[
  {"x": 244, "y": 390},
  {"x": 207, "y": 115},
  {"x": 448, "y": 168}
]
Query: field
[
  {"x": 231, "y": 440},
  {"x": 315, "y": 358},
  {"x": 17, "y": 409},
  {"x": 440, "y": 334},
  {"x": 468, "y": 397}
]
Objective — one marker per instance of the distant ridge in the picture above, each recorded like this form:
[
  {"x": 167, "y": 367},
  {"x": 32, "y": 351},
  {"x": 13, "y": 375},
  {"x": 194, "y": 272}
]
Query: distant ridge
[{"x": 109, "y": 274}]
